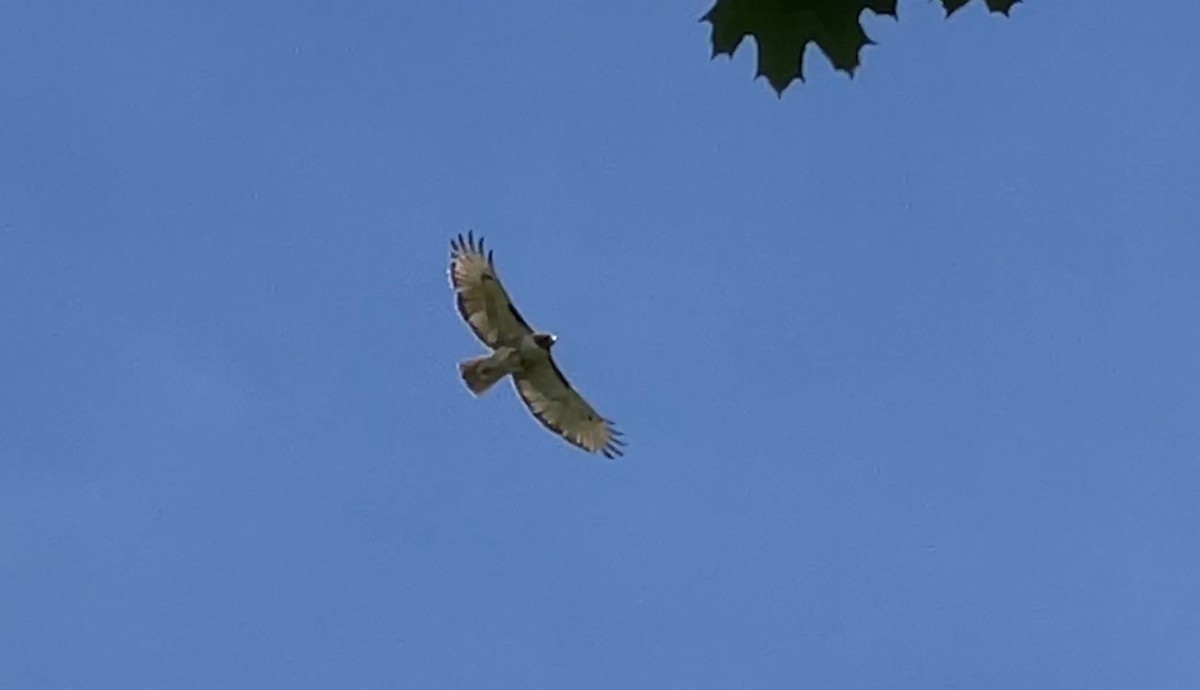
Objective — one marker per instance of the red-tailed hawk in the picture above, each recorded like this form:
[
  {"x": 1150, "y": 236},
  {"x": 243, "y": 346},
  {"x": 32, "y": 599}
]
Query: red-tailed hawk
[{"x": 520, "y": 351}]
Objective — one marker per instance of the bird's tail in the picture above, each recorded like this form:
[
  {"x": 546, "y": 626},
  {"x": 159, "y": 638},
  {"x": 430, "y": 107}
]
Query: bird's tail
[{"x": 481, "y": 373}]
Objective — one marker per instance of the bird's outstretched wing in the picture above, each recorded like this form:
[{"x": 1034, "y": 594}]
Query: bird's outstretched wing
[
  {"x": 481, "y": 299},
  {"x": 557, "y": 405}
]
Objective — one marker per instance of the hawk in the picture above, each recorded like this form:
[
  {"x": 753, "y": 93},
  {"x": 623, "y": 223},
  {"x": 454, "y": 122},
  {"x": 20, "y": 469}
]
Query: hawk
[{"x": 521, "y": 352}]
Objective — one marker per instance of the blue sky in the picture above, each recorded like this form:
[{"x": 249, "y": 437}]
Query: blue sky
[{"x": 908, "y": 363}]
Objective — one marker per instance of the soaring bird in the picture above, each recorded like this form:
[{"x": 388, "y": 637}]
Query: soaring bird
[{"x": 520, "y": 352}]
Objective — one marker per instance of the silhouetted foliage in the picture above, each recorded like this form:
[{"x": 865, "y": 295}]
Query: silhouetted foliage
[{"x": 783, "y": 28}]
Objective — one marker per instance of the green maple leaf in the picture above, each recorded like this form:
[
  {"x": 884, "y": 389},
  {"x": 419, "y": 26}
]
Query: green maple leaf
[
  {"x": 1001, "y": 6},
  {"x": 783, "y": 28}
]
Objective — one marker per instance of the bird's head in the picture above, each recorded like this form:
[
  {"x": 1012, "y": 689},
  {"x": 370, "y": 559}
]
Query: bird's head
[{"x": 544, "y": 340}]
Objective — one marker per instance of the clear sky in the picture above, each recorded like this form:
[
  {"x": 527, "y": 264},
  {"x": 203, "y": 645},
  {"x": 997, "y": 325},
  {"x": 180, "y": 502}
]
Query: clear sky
[{"x": 908, "y": 363}]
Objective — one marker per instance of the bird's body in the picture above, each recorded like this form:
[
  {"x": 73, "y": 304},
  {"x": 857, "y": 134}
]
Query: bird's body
[
  {"x": 527, "y": 355},
  {"x": 482, "y": 373},
  {"x": 520, "y": 352}
]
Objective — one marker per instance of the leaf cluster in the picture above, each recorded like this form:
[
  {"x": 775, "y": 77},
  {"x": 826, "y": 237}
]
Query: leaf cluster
[{"x": 783, "y": 29}]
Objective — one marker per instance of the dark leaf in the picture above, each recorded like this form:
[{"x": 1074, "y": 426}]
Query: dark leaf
[
  {"x": 1001, "y": 6},
  {"x": 784, "y": 28}
]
